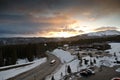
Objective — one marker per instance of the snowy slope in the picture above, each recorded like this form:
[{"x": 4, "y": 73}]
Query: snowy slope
[
  {"x": 74, "y": 64},
  {"x": 104, "y": 33},
  {"x": 64, "y": 56},
  {"x": 115, "y": 48},
  {"x": 67, "y": 59},
  {"x": 13, "y": 72}
]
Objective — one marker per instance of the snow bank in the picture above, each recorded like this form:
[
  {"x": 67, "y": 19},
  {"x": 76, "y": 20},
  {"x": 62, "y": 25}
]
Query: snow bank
[
  {"x": 115, "y": 48},
  {"x": 118, "y": 70},
  {"x": 102, "y": 33},
  {"x": 74, "y": 63},
  {"x": 21, "y": 61},
  {"x": 63, "y": 70},
  {"x": 13, "y": 72},
  {"x": 64, "y": 56}
]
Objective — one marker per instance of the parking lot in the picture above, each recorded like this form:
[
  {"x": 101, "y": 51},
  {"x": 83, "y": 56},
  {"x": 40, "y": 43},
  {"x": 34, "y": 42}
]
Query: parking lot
[{"x": 106, "y": 73}]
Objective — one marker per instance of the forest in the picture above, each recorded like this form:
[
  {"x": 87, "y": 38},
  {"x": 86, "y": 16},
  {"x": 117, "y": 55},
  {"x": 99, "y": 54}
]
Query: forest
[{"x": 10, "y": 53}]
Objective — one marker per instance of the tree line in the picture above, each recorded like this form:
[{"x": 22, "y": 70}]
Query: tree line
[
  {"x": 91, "y": 40},
  {"x": 10, "y": 53}
]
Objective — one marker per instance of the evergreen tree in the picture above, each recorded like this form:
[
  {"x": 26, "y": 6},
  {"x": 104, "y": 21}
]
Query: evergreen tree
[
  {"x": 94, "y": 61},
  {"x": 52, "y": 78},
  {"x": 114, "y": 54},
  {"x": 90, "y": 54},
  {"x": 116, "y": 59},
  {"x": 68, "y": 69},
  {"x": 61, "y": 74},
  {"x": 86, "y": 61},
  {"x": 13, "y": 56},
  {"x": 81, "y": 62},
  {"x": 79, "y": 57},
  {"x": 1, "y": 58},
  {"x": 91, "y": 63}
]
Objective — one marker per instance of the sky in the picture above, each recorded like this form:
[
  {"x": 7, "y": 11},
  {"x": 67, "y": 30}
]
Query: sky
[{"x": 57, "y": 18}]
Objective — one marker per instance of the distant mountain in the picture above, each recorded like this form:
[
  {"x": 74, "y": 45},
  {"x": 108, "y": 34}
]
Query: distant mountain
[
  {"x": 93, "y": 35},
  {"x": 104, "y": 33},
  {"x": 23, "y": 40}
]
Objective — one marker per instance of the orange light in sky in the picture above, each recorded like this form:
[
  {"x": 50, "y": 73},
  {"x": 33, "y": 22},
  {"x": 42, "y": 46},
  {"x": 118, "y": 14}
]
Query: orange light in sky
[
  {"x": 64, "y": 34},
  {"x": 60, "y": 34}
]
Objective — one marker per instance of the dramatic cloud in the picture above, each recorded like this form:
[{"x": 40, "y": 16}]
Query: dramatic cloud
[
  {"x": 37, "y": 17},
  {"x": 106, "y": 28}
]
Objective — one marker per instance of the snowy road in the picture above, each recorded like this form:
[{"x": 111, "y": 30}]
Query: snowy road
[{"x": 40, "y": 72}]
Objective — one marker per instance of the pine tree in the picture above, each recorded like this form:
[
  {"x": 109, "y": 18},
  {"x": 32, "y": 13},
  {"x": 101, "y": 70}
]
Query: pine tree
[
  {"x": 68, "y": 69},
  {"x": 86, "y": 61},
  {"x": 97, "y": 57},
  {"x": 52, "y": 78},
  {"x": 91, "y": 63},
  {"x": 81, "y": 62},
  {"x": 61, "y": 74},
  {"x": 116, "y": 59},
  {"x": 94, "y": 61},
  {"x": 90, "y": 54},
  {"x": 1, "y": 58},
  {"x": 114, "y": 54}
]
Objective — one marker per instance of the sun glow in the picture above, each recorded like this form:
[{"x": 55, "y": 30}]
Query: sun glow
[
  {"x": 80, "y": 26},
  {"x": 64, "y": 34},
  {"x": 61, "y": 34},
  {"x": 67, "y": 31}
]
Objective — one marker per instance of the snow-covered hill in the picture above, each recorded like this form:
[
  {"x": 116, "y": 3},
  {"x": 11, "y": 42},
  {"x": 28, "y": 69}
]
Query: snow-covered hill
[{"x": 104, "y": 33}]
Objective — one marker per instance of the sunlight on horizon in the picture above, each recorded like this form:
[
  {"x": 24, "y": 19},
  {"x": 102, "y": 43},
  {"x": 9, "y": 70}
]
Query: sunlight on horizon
[{"x": 61, "y": 34}]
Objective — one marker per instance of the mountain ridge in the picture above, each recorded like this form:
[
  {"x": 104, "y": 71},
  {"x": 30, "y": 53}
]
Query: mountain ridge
[{"x": 104, "y": 33}]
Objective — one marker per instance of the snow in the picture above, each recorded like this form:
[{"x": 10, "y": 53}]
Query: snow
[
  {"x": 118, "y": 70},
  {"x": 106, "y": 61},
  {"x": 103, "y": 33},
  {"x": 73, "y": 62},
  {"x": 64, "y": 56},
  {"x": 62, "y": 70},
  {"x": 115, "y": 48},
  {"x": 67, "y": 59},
  {"x": 21, "y": 61},
  {"x": 13, "y": 72},
  {"x": 10, "y": 66}
]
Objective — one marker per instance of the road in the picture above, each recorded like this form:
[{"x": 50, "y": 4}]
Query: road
[{"x": 40, "y": 72}]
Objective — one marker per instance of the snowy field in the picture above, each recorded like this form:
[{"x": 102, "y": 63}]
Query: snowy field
[
  {"x": 64, "y": 56},
  {"x": 115, "y": 47},
  {"x": 68, "y": 59},
  {"x": 13, "y": 72}
]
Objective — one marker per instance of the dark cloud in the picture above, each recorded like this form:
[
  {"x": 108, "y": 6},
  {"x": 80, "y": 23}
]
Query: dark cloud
[
  {"x": 95, "y": 8},
  {"x": 106, "y": 28},
  {"x": 40, "y": 6},
  {"x": 40, "y": 16},
  {"x": 14, "y": 18}
]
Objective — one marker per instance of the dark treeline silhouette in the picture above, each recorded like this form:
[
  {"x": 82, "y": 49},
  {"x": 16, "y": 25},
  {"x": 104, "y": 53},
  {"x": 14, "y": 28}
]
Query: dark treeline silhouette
[
  {"x": 10, "y": 53},
  {"x": 98, "y": 40},
  {"x": 90, "y": 40}
]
